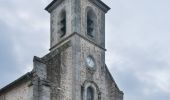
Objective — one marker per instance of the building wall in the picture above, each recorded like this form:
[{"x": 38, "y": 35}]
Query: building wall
[
  {"x": 59, "y": 72},
  {"x": 101, "y": 77},
  {"x": 97, "y": 76},
  {"x": 66, "y": 75},
  {"x": 54, "y": 21},
  {"x": 20, "y": 92},
  {"x": 67, "y": 72},
  {"x": 100, "y": 24},
  {"x": 76, "y": 20}
]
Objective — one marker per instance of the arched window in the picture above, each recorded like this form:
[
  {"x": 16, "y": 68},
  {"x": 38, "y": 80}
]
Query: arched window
[
  {"x": 91, "y": 22},
  {"x": 62, "y": 23},
  {"x": 90, "y": 93}
]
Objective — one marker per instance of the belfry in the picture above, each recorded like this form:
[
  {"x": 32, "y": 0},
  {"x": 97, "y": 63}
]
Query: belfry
[{"x": 75, "y": 68}]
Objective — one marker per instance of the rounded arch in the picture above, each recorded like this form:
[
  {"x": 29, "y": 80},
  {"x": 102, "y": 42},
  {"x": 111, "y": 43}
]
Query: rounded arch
[
  {"x": 91, "y": 91},
  {"x": 90, "y": 12},
  {"x": 62, "y": 13},
  {"x": 91, "y": 22}
]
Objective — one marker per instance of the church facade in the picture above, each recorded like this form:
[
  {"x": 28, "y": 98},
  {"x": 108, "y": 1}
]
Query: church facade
[{"x": 75, "y": 68}]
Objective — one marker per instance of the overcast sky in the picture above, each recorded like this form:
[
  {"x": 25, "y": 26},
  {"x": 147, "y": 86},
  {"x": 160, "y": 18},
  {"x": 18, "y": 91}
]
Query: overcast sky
[{"x": 137, "y": 42}]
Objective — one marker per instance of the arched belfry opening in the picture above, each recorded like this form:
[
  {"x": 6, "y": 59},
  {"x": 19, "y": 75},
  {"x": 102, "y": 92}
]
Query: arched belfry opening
[
  {"x": 91, "y": 20},
  {"x": 62, "y": 23}
]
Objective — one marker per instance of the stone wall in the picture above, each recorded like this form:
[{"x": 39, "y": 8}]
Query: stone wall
[
  {"x": 100, "y": 25},
  {"x": 59, "y": 71},
  {"x": 20, "y": 92},
  {"x": 76, "y": 15},
  {"x": 97, "y": 76},
  {"x": 54, "y": 21},
  {"x": 101, "y": 76}
]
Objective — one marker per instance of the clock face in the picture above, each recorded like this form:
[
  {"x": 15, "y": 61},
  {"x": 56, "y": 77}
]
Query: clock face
[{"x": 90, "y": 62}]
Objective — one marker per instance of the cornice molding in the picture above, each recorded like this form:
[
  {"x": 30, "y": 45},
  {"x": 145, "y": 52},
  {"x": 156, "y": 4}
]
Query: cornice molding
[
  {"x": 53, "y": 5},
  {"x": 101, "y": 5},
  {"x": 75, "y": 33},
  {"x": 98, "y": 3}
]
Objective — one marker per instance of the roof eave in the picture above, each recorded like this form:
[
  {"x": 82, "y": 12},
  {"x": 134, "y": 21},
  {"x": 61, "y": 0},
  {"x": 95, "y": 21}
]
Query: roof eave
[
  {"x": 101, "y": 5},
  {"x": 98, "y": 3},
  {"x": 52, "y": 5},
  {"x": 27, "y": 76}
]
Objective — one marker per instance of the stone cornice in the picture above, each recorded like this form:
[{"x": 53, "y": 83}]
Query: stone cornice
[
  {"x": 101, "y": 5},
  {"x": 98, "y": 3},
  {"x": 53, "y": 4},
  {"x": 65, "y": 39}
]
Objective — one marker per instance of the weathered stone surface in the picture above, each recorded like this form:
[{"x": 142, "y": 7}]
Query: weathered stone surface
[
  {"x": 76, "y": 12},
  {"x": 63, "y": 74},
  {"x": 20, "y": 92},
  {"x": 40, "y": 68}
]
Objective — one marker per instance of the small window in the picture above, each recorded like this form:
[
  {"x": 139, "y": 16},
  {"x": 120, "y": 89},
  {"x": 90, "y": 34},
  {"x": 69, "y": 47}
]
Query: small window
[
  {"x": 90, "y": 93},
  {"x": 62, "y": 24},
  {"x": 91, "y": 22},
  {"x": 90, "y": 26}
]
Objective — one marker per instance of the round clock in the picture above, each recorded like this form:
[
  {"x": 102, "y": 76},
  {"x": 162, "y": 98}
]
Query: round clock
[{"x": 90, "y": 62}]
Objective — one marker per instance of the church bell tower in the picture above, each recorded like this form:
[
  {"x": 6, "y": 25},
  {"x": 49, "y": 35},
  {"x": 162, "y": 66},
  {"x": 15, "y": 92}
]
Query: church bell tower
[{"x": 75, "y": 68}]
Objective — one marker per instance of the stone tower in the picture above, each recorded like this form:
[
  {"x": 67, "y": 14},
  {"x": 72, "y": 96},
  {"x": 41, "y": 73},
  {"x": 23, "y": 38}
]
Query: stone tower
[
  {"x": 75, "y": 68},
  {"x": 78, "y": 33}
]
